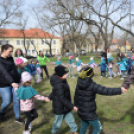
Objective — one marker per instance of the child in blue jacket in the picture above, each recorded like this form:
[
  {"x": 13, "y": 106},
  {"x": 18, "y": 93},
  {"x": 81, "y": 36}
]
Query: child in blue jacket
[
  {"x": 123, "y": 66},
  {"x": 129, "y": 63},
  {"x": 103, "y": 67},
  {"x": 33, "y": 70}
]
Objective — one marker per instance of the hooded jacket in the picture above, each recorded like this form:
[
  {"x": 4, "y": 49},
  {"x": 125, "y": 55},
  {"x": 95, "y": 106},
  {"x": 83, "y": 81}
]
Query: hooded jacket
[
  {"x": 129, "y": 80},
  {"x": 60, "y": 96},
  {"x": 8, "y": 72},
  {"x": 85, "y": 95}
]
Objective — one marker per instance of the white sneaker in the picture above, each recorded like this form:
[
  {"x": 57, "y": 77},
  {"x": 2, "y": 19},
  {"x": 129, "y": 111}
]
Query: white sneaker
[
  {"x": 30, "y": 126},
  {"x": 122, "y": 78},
  {"x": 26, "y": 132},
  {"x": 73, "y": 77},
  {"x": 106, "y": 76},
  {"x": 110, "y": 77},
  {"x": 115, "y": 76},
  {"x": 101, "y": 76}
]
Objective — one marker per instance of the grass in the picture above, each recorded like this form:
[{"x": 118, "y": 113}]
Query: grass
[{"x": 116, "y": 113}]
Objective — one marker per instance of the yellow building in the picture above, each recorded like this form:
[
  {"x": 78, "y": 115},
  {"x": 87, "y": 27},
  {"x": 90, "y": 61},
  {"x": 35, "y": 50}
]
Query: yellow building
[{"x": 34, "y": 40}]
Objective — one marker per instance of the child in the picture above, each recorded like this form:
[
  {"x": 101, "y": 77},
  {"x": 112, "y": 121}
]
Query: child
[
  {"x": 84, "y": 99},
  {"x": 103, "y": 67},
  {"x": 33, "y": 70},
  {"x": 26, "y": 95},
  {"x": 110, "y": 65},
  {"x": 61, "y": 100},
  {"x": 27, "y": 67},
  {"x": 92, "y": 63},
  {"x": 78, "y": 65},
  {"x": 129, "y": 63},
  {"x": 58, "y": 62},
  {"x": 123, "y": 66},
  {"x": 39, "y": 71},
  {"x": 118, "y": 66},
  {"x": 71, "y": 65}
]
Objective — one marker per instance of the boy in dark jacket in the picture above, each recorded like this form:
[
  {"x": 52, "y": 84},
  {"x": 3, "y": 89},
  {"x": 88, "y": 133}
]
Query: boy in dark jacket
[
  {"x": 61, "y": 100},
  {"x": 84, "y": 99}
]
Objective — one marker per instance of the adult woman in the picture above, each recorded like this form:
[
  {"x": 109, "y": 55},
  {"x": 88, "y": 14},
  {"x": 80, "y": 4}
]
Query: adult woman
[
  {"x": 9, "y": 79},
  {"x": 42, "y": 61},
  {"x": 19, "y": 53}
]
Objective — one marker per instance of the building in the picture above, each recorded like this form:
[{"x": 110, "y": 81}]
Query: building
[{"x": 34, "y": 40}]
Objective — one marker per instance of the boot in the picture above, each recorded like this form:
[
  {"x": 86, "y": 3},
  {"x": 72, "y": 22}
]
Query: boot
[{"x": 2, "y": 116}]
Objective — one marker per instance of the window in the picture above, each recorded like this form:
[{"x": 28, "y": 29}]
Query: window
[
  {"x": 32, "y": 41},
  {"x": 33, "y": 51},
  {"x": 29, "y": 52},
  {"x": 18, "y": 42},
  {"x": 22, "y": 42},
  {"x": 7, "y": 41},
  {"x": 28, "y": 42},
  {"x": 42, "y": 42},
  {"x": 54, "y": 41}
]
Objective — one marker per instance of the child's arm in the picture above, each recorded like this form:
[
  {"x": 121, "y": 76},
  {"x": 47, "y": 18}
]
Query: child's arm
[
  {"x": 42, "y": 98},
  {"x": 106, "y": 91},
  {"x": 129, "y": 80}
]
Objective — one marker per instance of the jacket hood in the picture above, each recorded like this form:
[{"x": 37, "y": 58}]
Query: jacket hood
[
  {"x": 54, "y": 80},
  {"x": 84, "y": 83},
  {"x": 110, "y": 58}
]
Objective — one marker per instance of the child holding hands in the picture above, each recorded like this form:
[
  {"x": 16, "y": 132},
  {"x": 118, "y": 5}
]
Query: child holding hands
[
  {"x": 27, "y": 94},
  {"x": 61, "y": 100}
]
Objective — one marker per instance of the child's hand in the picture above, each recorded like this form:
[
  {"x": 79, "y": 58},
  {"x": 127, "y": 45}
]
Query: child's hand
[
  {"x": 75, "y": 108},
  {"x": 123, "y": 90},
  {"x": 47, "y": 99}
]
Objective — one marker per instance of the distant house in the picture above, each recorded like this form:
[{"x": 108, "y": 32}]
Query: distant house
[
  {"x": 119, "y": 44},
  {"x": 32, "y": 36}
]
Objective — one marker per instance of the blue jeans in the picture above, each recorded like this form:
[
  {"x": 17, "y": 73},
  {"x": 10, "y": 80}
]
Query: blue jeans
[
  {"x": 111, "y": 72},
  {"x": 123, "y": 73},
  {"x": 71, "y": 72},
  {"x": 7, "y": 94},
  {"x": 95, "y": 123},
  {"x": 69, "y": 119},
  {"x": 16, "y": 104}
]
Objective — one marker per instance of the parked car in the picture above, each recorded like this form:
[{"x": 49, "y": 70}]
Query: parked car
[{"x": 68, "y": 54}]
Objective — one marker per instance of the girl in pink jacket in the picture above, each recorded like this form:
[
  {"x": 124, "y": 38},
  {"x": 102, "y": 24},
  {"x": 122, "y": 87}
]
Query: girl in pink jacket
[{"x": 27, "y": 94}]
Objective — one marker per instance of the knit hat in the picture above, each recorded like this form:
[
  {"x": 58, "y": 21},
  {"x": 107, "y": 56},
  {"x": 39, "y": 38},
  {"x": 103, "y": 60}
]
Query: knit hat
[
  {"x": 71, "y": 57},
  {"x": 37, "y": 61},
  {"x": 77, "y": 59},
  {"x": 86, "y": 72},
  {"x": 25, "y": 76},
  {"x": 19, "y": 61},
  {"x": 24, "y": 59},
  {"x": 133, "y": 58},
  {"x": 91, "y": 58},
  {"x": 61, "y": 70},
  {"x": 32, "y": 60},
  {"x": 108, "y": 55}
]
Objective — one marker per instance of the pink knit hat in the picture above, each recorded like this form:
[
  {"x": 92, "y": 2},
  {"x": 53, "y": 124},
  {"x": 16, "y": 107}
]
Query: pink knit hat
[
  {"x": 25, "y": 76},
  {"x": 71, "y": 57},
  {"x": 19, "y": 61},
  {"x": 133, "y": 58}
]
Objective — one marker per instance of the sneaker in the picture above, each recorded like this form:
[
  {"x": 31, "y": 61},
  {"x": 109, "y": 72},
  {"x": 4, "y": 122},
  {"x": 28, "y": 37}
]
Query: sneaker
[
  {"x": 30, "y": 126},
  {"x": 115, "y": 76},
  {"x": 26, "y": 132},
  {"x": 110, "y": 77},
  {"x": 73, "y": 77},
  {"x": 20, "y": 121},
  {"x": 101, "y": 76},
  {"x": 106, "y": 76},
  {"x": 121, "y": 78}
]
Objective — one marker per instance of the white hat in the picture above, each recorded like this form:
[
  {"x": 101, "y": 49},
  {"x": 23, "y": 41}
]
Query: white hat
[
  {"x": 26, "y": 76},
  {"x": 91, "y": 58},
  {"x": 77, "y": 59},
  {"x": 24, "y": 59}
]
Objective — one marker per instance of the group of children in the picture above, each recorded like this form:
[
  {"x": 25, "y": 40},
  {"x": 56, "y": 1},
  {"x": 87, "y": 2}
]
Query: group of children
[
  {"x": 33, "y": 68},
  {"x": 84, "y": 99}
]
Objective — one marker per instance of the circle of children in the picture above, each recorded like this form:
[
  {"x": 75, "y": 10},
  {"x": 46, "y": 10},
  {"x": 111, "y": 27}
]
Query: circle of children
[{"x": 86, "y": 89}]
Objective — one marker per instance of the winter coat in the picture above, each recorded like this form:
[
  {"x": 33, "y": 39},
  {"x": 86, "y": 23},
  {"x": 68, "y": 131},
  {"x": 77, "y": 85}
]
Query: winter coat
[
  {"x": 8, "y": 72},
  {"x": 85, "y": 95},
  {"x": 123, "y": 65},
  {"x": 60, "y": 96}
]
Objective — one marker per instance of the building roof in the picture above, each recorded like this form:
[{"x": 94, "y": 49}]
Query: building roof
[
  {"x": 31, "y": 33},
  {"x": 116, "y": 41}
]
